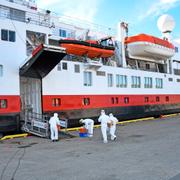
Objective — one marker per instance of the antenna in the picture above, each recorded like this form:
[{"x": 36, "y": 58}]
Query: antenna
[{"x": 166, "y": 24}]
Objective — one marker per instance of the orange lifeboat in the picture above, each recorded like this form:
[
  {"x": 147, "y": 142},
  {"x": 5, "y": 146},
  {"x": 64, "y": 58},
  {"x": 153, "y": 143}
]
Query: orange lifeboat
[
  {"x": 90, "y": 48},
  {"x": 144, "y": 46}
]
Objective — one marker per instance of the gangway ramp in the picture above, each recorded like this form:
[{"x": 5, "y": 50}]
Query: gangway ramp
[{"x": 43, "y": 59}]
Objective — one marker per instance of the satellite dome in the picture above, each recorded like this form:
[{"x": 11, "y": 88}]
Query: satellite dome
[{"x": 166, "y": 23}]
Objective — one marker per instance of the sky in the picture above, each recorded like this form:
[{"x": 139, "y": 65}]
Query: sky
[{"x": 141, "y": 15}]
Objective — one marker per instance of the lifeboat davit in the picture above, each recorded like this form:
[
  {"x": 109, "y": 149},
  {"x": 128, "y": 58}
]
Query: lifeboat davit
[
  {"x": 90, "y": 48},
  {"x": 144, "y": 46}
]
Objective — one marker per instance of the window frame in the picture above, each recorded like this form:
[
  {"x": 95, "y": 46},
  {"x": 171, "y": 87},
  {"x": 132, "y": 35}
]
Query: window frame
[
  {"x": 76, "y": 68},
  {"x": 110, "y": 80},
  {"x": 3, "y": 103},
  {"x": 64, "y": 66},
  {"x": 10, "y": 39},
  {"x": 121, "y": 81},
  {"x": 87, "y": 78},
  {"x": 62, "y": 33},
  {"x": 1, "y": 70},
  {"x": 7, "y": 34},
  {"x": 86, "y": 101},
  {"x": 56, "y": 102}
]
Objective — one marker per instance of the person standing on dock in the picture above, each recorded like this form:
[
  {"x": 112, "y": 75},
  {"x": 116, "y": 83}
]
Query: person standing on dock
[
  {"x": 89, "y": 125},
  {"x": 54, "y": 122},
  {"x": 104, "y": 120},
  {"x": 114, "y": 121}
]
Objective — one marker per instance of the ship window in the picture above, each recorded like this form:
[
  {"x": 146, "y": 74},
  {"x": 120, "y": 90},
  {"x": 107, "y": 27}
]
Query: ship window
[
  {"x": 17, "y": 15},
  {"x": 114, "y": 100},
  {"x": 110, "y": 80},
  {"x": 56, "y": 102},
  {"x": 146, "y": 99},
  {"x": 86, "y": 101},
  {"x": 159, "y": 83},
  {"x": 1, "y": 70},
  {"x": 157, "y": 99},
  {"x": 3, "y": 103},
  {"x": 62, "y": 33},
  {"x": 100, "y": 73},
  {"x": 147, "y": 82},
  {"x": 126, "y": 100},
  {"x": 136, "y": 82},
  {"x": 147, "y": 66},
  {"x": 121, "y": 81},
  {"x": 76, "y": 68},
  {"x": 176, "y": 49},
  {"x": 117, "y": 100},
  {"x": 64, "y": 66},
  {"x": 12, "y": 36},
  {"x": 4, "y": 35},
  {"x": 170, "y": 79},
  {"x": 59, "y": 67},
  {"x": 7, "y": 35},
  {"x": 178, "y": 80},
  {"x": 167, "y": 98},
  {"x": 87, "y": 79}
]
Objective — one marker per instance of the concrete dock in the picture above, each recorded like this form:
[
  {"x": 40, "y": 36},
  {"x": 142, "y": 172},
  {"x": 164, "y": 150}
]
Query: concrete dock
[{"x": 148, "y": 150}]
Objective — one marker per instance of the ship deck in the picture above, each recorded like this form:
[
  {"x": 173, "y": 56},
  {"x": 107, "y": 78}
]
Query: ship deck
[{"x": 144, "y": 150}]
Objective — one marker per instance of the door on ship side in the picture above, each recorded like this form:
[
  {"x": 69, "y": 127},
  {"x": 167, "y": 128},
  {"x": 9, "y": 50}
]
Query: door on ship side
[{"x": 30, "y": 92}]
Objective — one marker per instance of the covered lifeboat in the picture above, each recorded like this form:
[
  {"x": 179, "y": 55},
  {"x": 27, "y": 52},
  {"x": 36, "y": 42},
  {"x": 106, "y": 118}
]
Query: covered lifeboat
[
  {"x": 144, "y": 46},
  {"x": 90, "y": 48}
]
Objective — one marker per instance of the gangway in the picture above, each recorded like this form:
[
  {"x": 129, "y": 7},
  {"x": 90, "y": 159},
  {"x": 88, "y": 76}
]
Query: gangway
[
  {"x": 36, "y": 124},
  {"x": 43, "y": 59}
]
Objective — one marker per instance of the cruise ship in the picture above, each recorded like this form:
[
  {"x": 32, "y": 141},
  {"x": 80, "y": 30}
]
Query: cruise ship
[{"x": 50, "y": 63}]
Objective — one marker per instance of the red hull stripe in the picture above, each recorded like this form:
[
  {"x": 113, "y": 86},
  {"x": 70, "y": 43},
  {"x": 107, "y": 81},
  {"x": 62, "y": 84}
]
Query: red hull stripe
[
  {"x": 13, "y": 104},
  {"x": 70, "y": 102}
]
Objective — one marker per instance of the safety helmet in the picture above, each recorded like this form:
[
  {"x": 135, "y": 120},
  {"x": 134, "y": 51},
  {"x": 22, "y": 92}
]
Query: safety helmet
[
  {"x": 55, "y": 114},
  {"x": 81, "y": 121},
  {"x": 102, "y": 111}
]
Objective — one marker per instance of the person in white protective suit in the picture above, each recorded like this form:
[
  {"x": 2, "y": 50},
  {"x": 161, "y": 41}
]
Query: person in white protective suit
[
  {"x": 89, "y": 125},
  {"x": 54, "y": 122},
  {"x": 112, "y": 130},
  {"x": 104, "y": 120}
]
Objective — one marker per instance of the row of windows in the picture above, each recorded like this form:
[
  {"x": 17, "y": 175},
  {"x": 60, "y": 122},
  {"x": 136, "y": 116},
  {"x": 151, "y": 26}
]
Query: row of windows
[
  {"x": 7, "y": 35},
  {"x": 56, "y": 102},
  {"x": 121, "y": 80}
]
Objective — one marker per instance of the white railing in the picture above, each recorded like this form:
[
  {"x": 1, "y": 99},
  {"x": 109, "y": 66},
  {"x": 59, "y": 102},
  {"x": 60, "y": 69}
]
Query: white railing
[
  {"x": 45, "y": 18},
  {"x": 28, "y": 3}
]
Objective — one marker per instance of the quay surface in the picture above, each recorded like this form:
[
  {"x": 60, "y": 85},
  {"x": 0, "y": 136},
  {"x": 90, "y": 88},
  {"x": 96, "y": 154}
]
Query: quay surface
[{"x": 148, "y": 150}]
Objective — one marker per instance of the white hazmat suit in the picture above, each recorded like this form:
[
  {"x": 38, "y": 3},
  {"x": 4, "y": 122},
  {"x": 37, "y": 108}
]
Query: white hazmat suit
[
  {"x": 104, "y": 119},
  {"x": 54, "y": 121},
  {"x": 114, "y": 121},
  {"x": 89, "y": 125}
]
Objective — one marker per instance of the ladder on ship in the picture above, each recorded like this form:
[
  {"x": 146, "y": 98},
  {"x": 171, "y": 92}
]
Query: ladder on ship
[{"x": 36, "y": 124}]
